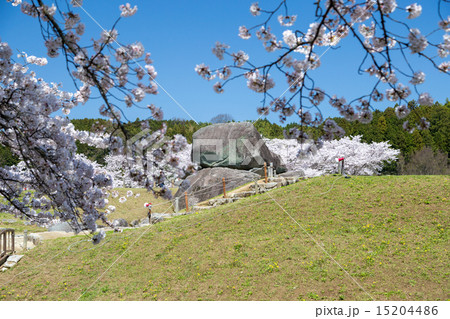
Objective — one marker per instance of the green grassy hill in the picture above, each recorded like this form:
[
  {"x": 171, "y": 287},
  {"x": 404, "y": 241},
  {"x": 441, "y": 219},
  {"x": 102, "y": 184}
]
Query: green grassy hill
[{"x": 390, "y": 233}]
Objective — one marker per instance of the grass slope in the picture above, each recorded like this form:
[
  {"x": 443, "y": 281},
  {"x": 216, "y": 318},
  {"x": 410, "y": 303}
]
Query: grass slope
[
  {"x": 9, "y": 221},
  {"x": 134, "y": 208},
  {"x": 389, "y": 232}
]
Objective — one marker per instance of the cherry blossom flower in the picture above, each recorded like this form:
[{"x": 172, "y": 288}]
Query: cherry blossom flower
[
  {"x": 366, "y": 31},
  {"x": 402, "y": 111},
  {"x": 388, "y": 6},
  {"x": 15, "y": 3},
  {"x": 264, "y": 34},
  {"x": 418, "y": 78},
  {"x": 109, "y": 36},
  {"x": 259, "y": 83},
  {"x": 240, "y": 58},
  {"x": 263, "y": 110},
  {"x": 290, "y": 38},
  {"x": 360, "y": 14},
  {"x": 377, "y": 96},
  {"x": 444, "y": 47},
  {"x": 414, "y": 10},
  {"x": 80, "y": 28},
  {"x": 445, "y": 24},
  {"x": 218, "y": 87},
  {"x": 417, "y": 42},
  {"x": 255, "y": 10},
  {"x": 139, "y": 94},
  {"x": 157, "y": 113},
  {"x": 444, "y": 66},
  {"x": 204, "y": 71},
  {"x": 29, "y": 9},
  {"x": 71, "y": 19},
  {"x": 127, "y": 11},
  {"x": 425, "y": 99},
  {"x": 225, "y": 73},
  {"x": 219, "y": 49},
  {"x": 287, "y": 21},
  {"x": 365, "y": 116},
  {"x": 317, "y": 96},
  {"x": 37, "y": 61},
  {"x": 244, "y": 33},
  {"x": 53, "y": 46},
  {"x": 408, "y": 127},
  {"x": 272, "y": 45},
  {"x": 423, "y": 124}
]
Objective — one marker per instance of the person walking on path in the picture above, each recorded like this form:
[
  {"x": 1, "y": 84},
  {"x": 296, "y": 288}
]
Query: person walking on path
[{"x": 149, "y": 213}]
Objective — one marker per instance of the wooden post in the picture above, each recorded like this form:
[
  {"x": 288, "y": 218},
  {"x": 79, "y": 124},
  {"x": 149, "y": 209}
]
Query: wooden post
[
  {"x": 186, "y": 200},
  {"x": 13, "y": 234},
  {"x": 25, "y": 239},
  {"x": 224, "y": 191},
  {"x": 265, "y": 172}
]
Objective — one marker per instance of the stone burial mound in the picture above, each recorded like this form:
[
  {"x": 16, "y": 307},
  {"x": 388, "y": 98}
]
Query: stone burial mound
[
  {"x": 234, "y": 151},
  {"x": 207, "y": 183},
  {"x": 233, "y": 145}
]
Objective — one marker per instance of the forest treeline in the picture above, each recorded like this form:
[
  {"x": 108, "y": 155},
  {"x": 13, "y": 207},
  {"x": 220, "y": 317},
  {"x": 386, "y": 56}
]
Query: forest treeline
[{"x": 385, "y": 126}]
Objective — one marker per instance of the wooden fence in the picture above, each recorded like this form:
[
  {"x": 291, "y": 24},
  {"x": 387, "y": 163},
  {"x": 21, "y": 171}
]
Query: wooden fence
[{"x": 6, "y": 244}]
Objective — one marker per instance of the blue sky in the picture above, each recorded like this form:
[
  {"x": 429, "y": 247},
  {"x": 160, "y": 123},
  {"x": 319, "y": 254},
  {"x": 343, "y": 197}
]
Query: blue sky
[{"x": 180, "y": 34}]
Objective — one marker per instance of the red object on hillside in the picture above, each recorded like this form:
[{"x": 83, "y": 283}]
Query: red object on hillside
[{"x": 340, "y": 159}]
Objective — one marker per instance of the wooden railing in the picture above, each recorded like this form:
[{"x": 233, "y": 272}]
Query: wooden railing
[{"x": 6, "y": 244}]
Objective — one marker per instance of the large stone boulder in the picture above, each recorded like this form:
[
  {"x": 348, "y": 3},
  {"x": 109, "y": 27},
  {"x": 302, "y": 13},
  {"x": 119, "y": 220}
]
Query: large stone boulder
[
  {"x": 120, "y": 222},
  {"x": 61, "y": 227},
  {"x": 232, "y": 145},
  {"x": 207, "y": 183}
]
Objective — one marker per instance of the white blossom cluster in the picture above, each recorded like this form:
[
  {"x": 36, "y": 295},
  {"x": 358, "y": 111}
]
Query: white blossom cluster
[
  {"x": 360, "y": 158},
  {"x": 127, "y": 10},
  {"x": 259, "y": 83},
  {"x": 173, "y": 161}
]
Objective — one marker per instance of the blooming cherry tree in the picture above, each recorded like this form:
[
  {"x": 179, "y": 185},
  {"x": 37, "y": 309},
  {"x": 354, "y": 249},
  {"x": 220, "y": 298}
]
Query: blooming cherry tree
[
  {"x": 382, "y": 32},
  {"x": 360, "y": 158},
  {"x": 62, "y": 185}
]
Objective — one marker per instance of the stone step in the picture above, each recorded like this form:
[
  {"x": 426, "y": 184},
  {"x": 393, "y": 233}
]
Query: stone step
[
  {"x": 264, "y": 185},
  {"x": 281, "y": 181},
  {"x": 221, "y": 201},
  {"x": 202, "y": 207},
  {"x": 243, "y": 194}
]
